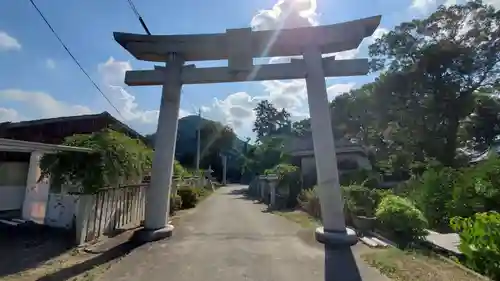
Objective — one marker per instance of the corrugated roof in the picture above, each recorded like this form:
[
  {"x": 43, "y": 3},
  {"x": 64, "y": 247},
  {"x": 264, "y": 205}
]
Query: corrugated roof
[
  {"x": 105, "y": 114},
  {"x": 28, "y": 146}
]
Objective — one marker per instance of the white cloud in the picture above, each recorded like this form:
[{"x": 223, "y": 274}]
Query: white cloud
[
  {"x": 236, "y": 111},
  {"x": 286, "y": 14},
  {"x": 423, "y": 5},
  {"x": 289, "y": 94},
  {"x": 9, "y": 115},
  {"x": 8, "y": 43},
  {"x": 39, "y": 105},
  {"x": 50, "y": 63},
  {"x": 450, "y": 2},
  {"x": 337, "y": 89},
  {"x": 112, "y": 75},
  {"x": 494, "y": 3},
  {"x": 350, "y": 54},
  {"x": 183, "y": 113}
]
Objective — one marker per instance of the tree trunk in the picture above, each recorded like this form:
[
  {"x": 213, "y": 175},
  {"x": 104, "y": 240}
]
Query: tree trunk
[{"x": 450, "y": 146}]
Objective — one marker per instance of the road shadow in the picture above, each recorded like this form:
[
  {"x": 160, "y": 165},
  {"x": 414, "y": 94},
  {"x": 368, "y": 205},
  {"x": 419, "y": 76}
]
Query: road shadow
[
  {"x": 28, "y": 245},
  {"x": 243, "y": 194},
  {"x": 103, "y": 257},
  {"x": 239, "y": 191},
  {"x": 340, "y": 260}
]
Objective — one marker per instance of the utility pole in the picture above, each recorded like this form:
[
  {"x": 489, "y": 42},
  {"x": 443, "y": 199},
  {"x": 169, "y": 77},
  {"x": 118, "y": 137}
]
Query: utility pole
[
  {"x": 198, "y": 141},
  {"x": 224, "y": 169}
]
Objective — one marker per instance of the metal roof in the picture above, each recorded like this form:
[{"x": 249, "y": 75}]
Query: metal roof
[{"x": 27, "y": 146}]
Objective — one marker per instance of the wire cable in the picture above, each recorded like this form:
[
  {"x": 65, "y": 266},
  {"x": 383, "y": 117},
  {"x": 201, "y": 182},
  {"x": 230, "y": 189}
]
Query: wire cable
[
  {"x": 75, "y": 60},
  {"x": 136, "y": 12}
]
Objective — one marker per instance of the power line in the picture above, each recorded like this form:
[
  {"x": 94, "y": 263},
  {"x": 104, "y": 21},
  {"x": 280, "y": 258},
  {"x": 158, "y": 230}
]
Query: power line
[
  {"x": 74, "y": 59},
  {"x": 134, "y": 9}
]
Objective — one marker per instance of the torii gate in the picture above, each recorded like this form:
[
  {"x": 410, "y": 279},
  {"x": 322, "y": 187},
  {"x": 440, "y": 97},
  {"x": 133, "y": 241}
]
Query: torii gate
[{"x": 239, "y": 47}]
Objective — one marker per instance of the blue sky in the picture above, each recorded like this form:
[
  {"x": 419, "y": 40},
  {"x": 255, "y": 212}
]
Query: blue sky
[{"x": 38, "y": 79}]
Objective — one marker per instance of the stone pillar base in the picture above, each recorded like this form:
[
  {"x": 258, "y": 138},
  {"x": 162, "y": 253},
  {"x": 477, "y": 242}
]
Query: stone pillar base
[
  {"x": 340, "y": 263},
  {"x": 149, "y": 235},
  {"x": 336, "y": 239}
]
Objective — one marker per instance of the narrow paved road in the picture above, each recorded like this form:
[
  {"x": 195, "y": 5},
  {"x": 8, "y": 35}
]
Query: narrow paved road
[{"x": 229, "y": 238}]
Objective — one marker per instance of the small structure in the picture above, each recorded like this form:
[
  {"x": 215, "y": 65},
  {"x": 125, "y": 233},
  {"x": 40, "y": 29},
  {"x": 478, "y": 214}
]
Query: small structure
[
  {"x": 54, "y": 130},
  {"x": 23, "y": 193},
  {"x": 350, "y": 156}
]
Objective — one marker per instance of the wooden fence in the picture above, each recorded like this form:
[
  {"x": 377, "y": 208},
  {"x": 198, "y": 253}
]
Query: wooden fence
[{"x": 109, "y": 211}]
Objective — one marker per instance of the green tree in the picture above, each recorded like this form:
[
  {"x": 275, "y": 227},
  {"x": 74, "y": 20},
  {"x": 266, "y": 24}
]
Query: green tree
[
  {"x": 434, "y": 66},
  {"x": 483, "y": 125},
  {"x": 116, "y": 159},
  {"x": 216, "y": 138},
  {"x": 302, "y": 127},
  {"x": 267, "y": 154},
  {"x": 271, "y": 121}
]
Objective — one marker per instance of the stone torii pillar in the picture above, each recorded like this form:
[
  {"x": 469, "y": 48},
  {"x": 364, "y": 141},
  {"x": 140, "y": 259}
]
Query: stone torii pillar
[
  {"x": 158, "y": 193},
  {"x": 240, "y": 47}
]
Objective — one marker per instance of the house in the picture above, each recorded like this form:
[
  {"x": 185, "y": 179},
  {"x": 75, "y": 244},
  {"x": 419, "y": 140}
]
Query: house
[
  {"x": 54, "y": 130},
  {"x": 23, "y": 196},
  {"x": 22, "y": 144},
  {"x": 350, "y": 156}
]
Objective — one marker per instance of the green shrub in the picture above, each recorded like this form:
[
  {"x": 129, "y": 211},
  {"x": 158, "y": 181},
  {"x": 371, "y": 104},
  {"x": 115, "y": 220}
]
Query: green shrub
[
  {"x": 435, "y": 194},
  {"x": 364, "y": 177},
  {"x": 175, "y": 203},
  {"x": 360, "y": 200},
  {"x": 179, "y": 171},
  {"x": 309, "y": 201},
  {"x": 188, "y": 196},
  {"x": 480, "y": 242},
  {"x": 400, "y": 218},
  {"x": 478, "y": 189},
  {"x": 407, "y": 188},
  {"x": 201, "y": 192},
  {"x": 289, "y": 181}
]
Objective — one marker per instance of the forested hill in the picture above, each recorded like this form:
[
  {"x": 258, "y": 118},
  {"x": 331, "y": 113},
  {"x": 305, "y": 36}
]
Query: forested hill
[{"x": 215, "y": 138}]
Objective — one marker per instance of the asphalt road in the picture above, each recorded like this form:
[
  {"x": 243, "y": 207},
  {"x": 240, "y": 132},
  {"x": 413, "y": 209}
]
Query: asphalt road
[{"x": 226, "y": 237}]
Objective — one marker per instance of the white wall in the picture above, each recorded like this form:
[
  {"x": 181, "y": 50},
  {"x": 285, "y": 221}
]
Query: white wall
[{"x": 37, "y": 192}]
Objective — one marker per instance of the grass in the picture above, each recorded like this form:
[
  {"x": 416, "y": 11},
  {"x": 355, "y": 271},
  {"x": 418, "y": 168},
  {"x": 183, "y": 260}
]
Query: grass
[
  {"x": 416, "y": 266},
  {"x": 302, "y": 218},
  {"x": 204, "y": 194}
]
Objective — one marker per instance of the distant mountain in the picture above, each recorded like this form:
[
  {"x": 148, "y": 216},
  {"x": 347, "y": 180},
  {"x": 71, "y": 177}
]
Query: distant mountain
[{"x": 186, "y": 140}]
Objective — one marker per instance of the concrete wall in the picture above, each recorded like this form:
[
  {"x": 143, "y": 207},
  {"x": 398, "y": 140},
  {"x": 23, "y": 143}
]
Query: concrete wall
[
  {"x": 12, "y": 185},
  {"x": 37, "y": 192},
  {"x": 61, "y": 210}
]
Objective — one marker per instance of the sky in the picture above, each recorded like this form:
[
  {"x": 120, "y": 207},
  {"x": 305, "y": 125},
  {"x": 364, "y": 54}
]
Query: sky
[{"x": 38, "y": 79}]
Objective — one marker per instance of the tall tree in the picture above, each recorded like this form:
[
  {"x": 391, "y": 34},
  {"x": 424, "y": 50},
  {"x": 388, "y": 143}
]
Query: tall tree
[
  {"x": 271, "y": 121},
  {"x": 215, "y": 139},
  {"x": 439, "y": 63},
  {"x": 483, "y": 125}
]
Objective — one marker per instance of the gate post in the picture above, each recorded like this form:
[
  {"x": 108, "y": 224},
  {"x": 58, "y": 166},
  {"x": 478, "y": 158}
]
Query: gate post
[{"x": 158, "y": 194}]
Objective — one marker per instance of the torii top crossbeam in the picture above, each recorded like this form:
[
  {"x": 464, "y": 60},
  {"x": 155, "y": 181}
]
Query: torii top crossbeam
[
  {"x": 270, "y": 43},
  {"x": 241, "y": 46}
]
